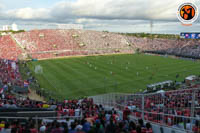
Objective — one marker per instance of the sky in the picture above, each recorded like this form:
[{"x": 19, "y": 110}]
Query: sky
[{"x": 158, "y": 16}]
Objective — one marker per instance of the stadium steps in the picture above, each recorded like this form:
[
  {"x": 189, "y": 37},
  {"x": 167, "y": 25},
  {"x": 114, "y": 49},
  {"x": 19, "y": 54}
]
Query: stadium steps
[{"x": 18, "y": 43}]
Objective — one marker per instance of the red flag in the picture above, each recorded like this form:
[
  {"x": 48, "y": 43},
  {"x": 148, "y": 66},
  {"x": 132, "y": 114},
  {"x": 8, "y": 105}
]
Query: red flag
[{"x": 1, "y": 90}]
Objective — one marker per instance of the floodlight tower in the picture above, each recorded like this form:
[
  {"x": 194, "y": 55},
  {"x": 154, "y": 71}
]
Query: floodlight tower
[
  {"x": 151, "y": 26},
  {"x": 151, "y": 29}
]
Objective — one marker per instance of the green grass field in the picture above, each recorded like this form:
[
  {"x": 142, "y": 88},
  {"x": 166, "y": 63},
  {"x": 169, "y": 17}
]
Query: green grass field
[{"x": 91, "y": 75}]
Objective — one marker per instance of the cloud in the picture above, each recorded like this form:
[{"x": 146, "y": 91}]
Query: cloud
[
  {"x": 102, "y": 9},
  {"x": 29, "y": 13},
  {"x": 2, "y": 6},
  {"x": 119, "y": 9},
  {"x": 101, "y": 14}
]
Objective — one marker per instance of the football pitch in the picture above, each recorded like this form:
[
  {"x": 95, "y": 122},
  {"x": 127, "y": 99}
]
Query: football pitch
[{"x": 76, "y": 77}]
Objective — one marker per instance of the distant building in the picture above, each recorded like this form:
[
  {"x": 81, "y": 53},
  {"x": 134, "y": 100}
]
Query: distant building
[
  {"x": 14, "y": 27},
  {"x": 6, "y": 27}
]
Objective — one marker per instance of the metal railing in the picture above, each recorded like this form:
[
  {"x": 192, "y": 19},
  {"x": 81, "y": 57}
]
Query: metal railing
[{"x": 178, "y": 109}]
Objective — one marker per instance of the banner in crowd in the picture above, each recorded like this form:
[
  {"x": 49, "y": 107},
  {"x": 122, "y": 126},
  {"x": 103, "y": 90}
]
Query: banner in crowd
[
  {"x": 190, "y": 35},
  {"x": 21, "y": 89},
  {"x": 26, "y": 84}
]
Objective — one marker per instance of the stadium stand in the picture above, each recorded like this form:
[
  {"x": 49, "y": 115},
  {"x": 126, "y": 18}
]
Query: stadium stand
[
  {"x": 101, "y": 42},
  {"x": 95, "y": 119},
  {"x": 9, "y": 74},
  {"x": 8, "y": 48},
  {"x": 177, "y": 47},
  {"x": 46, "y": 43},
  {"x": 45, "y": 40},
  {"x": 178, "y": 109},
  {"x": 91, "y": 117},
  {"x": 55, "y": 43}
]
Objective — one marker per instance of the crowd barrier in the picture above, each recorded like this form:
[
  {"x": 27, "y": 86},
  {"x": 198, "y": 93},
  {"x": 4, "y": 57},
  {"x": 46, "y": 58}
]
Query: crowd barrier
[
  {"x": 37, "y": 118},
  {"x": 178, "y": 109}
]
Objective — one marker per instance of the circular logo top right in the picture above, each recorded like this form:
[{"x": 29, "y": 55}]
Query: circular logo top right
[{"x": 187, "y": 13}]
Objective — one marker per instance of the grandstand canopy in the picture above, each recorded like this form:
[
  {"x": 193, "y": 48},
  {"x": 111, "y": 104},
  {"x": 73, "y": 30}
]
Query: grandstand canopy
[
  {"x": 153, "y": 86},
  {"x": 191, "y": 77}
]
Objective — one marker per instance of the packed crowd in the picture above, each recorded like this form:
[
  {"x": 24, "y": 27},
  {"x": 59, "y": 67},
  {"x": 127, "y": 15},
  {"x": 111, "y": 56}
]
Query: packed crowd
[
  {"x": 165, "y": 107},
  {"x": 103, "y": 42},
  {"x": 179, "y": 47},
  {"x": 8, "y": 48},
  {"x": 9, "y": 74},
  {"x": 46, "y": 40},
  {"x": 52, "y": 43},
  {"x": 100, "y": 121}
]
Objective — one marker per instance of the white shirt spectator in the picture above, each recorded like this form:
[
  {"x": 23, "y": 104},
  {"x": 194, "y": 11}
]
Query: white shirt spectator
[
  {"x": 5, "y": 130},
  {"x": 43, "y": 128},
  {"x": 77, "y": 112}
]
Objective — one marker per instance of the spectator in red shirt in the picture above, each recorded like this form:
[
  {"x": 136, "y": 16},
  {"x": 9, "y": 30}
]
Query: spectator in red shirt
[
  {"x": 33, "y": 129},
  {"x": 126, "y": 113}
]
